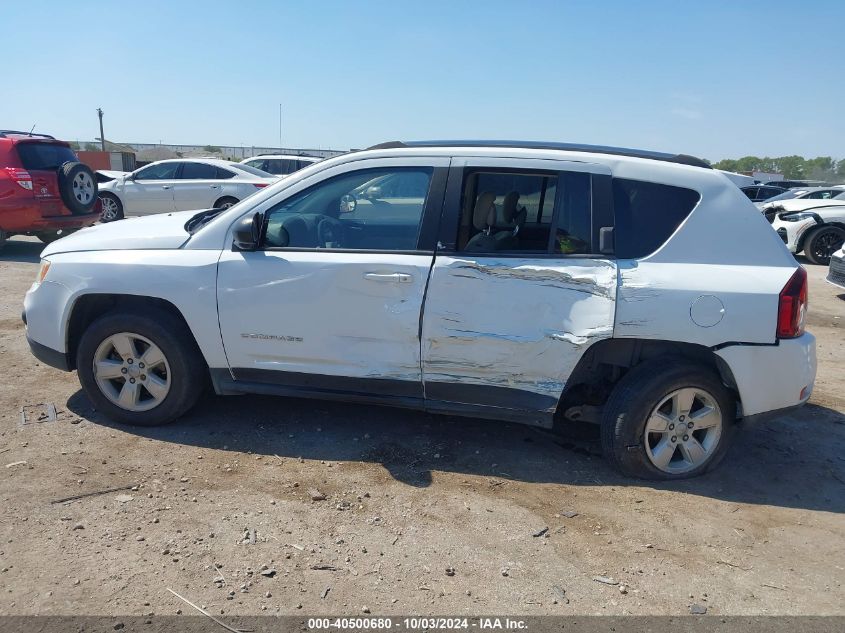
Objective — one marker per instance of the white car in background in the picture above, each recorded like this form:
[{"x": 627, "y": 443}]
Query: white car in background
[
  {"x": 802, "y": 193},
  {"x": 280, "y": 164},
  {"x": 814, "y": 227},
  {"x": 178, "y": 185},
  {"x": 836, "y": 273}
]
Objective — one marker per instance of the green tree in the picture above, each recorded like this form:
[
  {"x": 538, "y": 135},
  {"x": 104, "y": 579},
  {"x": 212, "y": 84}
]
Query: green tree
[
  {"x": 90, "y": 147},
  {"x": 728, "y": 164},
  {"x": 212, "y": 149},
  {"x": 840, "y": 168},
  {"x": 792, "y": 167}
]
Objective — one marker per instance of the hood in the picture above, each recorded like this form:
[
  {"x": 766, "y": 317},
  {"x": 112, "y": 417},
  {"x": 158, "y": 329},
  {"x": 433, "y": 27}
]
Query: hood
[
  {"x": 801, "y": 204},
  {"x": 161, "y": 231},
  {"x": 104, "y": 175}
]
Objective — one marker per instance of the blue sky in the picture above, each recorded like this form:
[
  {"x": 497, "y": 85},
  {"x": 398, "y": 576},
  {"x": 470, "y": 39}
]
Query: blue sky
[{"x": 716, "y": 79}]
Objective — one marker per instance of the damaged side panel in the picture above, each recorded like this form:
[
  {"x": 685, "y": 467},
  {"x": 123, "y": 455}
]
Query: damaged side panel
[{"x": 515, "y": 326}]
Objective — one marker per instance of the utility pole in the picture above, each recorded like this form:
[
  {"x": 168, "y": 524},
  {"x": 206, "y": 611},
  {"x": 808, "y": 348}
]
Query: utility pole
[
  {"x": 102, "y": 136},
  {"x": 280, "y": 126}
]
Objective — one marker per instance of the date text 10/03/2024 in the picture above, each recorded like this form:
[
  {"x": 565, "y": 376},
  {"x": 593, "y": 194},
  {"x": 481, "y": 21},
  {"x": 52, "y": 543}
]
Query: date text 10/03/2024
[{"x": 417, "y": 623}]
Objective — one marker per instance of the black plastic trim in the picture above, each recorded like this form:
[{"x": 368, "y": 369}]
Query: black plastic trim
[
  {"x": 49, "y": 356},
  {"x": 326, "y": 383},
  {"x": 395, "y": 393},
  {"x": 484, "y": 395}
]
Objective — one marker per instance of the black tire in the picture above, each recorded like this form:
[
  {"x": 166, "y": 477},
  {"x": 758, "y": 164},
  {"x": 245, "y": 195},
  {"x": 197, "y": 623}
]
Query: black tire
[
  {"x": 118, "y": 212},
  {"x": 822, "y": 243},
  {"x": 78, "y": 187},
  {"x": 51, "y": 236},
  {"x": 187, "y": 367},
  {"x": 635, "y": 397},
  {"x": 225, "y": 202}
]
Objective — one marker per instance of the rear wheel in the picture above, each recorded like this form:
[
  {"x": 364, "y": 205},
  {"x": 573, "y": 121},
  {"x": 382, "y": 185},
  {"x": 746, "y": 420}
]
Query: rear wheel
[
  {"x": 225, "y": 202},
  {"x": 78, "y": 187},
  {"x": 822, "y": 243},
  {"x": 138, "y": 370},
  {"x": 112, "y": 209},
  {"x": 668, "y": 419}
]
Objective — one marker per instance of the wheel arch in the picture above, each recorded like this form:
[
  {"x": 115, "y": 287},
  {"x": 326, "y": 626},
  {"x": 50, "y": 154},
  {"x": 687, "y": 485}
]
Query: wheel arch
[
  {"x": 605, "y": 362},
  {"x": 89, "y": 307}
]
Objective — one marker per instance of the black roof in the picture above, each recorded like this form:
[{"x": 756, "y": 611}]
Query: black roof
[{"x": 681, "y": 159}]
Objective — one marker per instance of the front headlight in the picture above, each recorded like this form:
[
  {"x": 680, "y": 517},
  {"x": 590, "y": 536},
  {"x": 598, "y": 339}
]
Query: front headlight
[
  {"x": 42, "y": 271},
  {"x": 796, "y": 216}
]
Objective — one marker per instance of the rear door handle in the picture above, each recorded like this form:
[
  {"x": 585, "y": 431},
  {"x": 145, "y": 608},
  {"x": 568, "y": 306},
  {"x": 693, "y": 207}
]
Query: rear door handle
[
  {"x": 165, "y": 186},
  {"x": 215, "y": 186},
  {"x": 396, "y": 278}
]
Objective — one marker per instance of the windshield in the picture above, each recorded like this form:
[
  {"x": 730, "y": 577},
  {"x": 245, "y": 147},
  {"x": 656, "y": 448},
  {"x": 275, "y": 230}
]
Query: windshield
[
  {"x": 252, "y": 170},
  {"x": 47, "y": 156}
]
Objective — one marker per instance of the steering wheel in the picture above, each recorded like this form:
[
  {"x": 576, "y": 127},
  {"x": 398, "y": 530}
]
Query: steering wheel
[{"x": 330, "y": 233}]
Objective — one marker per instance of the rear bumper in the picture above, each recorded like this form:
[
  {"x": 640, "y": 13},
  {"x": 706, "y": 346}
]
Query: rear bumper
[
  {"x": 29, "y": 218},
  {"x": 772, "y": 377}
]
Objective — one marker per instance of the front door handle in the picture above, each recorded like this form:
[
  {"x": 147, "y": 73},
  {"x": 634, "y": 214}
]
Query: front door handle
[
  {"x": 215, "y": 186},
  {"x": 396, "y": 278}
]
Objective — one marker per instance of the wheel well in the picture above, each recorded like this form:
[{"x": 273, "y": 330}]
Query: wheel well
[
  {"x": 802, "y": 240},
  {"x": 607, "y": 361},
  {"x": 222, "y": 198},
  {"x": 90, "y": 307}
]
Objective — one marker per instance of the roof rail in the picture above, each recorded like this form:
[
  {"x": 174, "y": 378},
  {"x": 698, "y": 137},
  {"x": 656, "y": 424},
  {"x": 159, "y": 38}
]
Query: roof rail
[{"x": 681, "y": 159}]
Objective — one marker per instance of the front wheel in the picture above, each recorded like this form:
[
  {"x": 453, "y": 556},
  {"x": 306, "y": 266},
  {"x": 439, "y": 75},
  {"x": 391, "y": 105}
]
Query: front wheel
[
  {"x": 140, "y": 367},
  {"x": 226, "y": 202},
  {"x": 111, "y": 208},
  {"x": 822, "y": 243},
  {"x": 668, "y": 419}
]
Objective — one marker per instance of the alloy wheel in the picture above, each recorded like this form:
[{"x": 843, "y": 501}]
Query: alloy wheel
[
  {"x": 109, "y": 212},
  {"x": 83, "y": 188},
  {"x": 683, "y": 431},
  {"x": 132, "y": 371}
]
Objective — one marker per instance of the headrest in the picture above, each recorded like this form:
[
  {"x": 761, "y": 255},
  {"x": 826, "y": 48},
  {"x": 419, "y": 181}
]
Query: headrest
[
  {"x": 509, "y": 206},
  {"x": 484, "y": 214}
]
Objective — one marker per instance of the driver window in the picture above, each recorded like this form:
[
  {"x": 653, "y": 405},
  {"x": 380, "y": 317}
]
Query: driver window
[
  {"x": 159, "y": 171},
  {"x": 374, "y": 209}
]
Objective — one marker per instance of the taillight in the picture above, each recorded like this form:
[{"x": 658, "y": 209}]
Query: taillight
[
  {"x": 792, "y": 305},
  {"x": 259, "y": 186},
  {"x": 20, "y": 176}
]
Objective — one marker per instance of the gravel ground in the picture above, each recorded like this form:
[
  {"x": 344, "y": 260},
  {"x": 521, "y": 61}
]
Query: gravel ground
[{"x": 421, "y": 514}]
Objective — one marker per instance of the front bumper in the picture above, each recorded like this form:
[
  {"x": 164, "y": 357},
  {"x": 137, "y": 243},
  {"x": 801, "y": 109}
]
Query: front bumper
[
  {"x": 836, "y": 272},
  {"x": 49, "y": 356},
  {"x": 772, "y": 377},
  {"x": 793, "y": 233}
]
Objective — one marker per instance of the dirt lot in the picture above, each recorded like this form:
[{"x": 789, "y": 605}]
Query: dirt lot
[{"x": 228, "y": 490}]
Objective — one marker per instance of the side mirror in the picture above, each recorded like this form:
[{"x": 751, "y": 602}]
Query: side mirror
[
  {"x": 247, "y": 233},
  {"x": 348, "y": 203}
]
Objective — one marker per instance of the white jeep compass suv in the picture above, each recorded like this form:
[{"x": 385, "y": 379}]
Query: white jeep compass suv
[{"x": 534, "y": 282}]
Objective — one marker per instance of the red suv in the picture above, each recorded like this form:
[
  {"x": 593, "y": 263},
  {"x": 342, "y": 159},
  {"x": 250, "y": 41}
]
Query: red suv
[{"x": 44, "y": 190}]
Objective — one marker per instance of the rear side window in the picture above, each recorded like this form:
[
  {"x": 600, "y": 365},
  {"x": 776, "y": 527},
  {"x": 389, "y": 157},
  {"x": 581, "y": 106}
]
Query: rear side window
[
  {"x": 198, "y": 171},
  {"x": 224, "y": 174},
  {"x": 44, "y": 155},
  {"x": 647, "y": 214}
]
